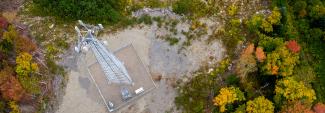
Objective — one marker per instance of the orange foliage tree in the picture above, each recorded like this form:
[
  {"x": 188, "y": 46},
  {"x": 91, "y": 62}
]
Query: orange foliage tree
[
  {"x": 10, "y": 87},
  {"x": 24, "y": 44},
  {"x": 246, "y": 63},
  {"x": 260, "y": 55},
  {"x": 293, "y": 46},
  {"x": 296, "y": 107},
  {"x": 319, "y": 108}
]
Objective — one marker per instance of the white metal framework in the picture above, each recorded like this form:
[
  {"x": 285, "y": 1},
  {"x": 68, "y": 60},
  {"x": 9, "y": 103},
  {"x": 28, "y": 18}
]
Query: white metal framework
[{"x": 113, "y": 68}]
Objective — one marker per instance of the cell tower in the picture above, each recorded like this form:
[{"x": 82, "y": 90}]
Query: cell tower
[{"x": 113, "y": 68}]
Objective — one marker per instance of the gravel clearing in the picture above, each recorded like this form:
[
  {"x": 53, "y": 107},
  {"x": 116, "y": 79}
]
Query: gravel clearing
[{"x": 160, "y": 58}]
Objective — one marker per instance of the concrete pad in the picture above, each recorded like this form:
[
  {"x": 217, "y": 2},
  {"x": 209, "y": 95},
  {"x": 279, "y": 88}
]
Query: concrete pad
[{"x": 138, "y": 73}]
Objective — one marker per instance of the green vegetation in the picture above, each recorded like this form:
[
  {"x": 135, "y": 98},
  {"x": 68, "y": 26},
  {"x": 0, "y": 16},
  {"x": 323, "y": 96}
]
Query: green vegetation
[
  {"x": 281, "y": 68},
  {"x": 22, "y": 74},
  {"x": 206, "y": 84},
  {"x": 195, "y": 8},
  {"x": 103, "y": 11}
]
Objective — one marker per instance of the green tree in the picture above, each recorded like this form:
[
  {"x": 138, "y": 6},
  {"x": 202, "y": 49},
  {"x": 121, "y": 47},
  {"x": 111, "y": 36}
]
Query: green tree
[
  {"x": 269, "y": 44},
  {"x": 104, "y": 11},
  {"x": 255, "y": 22},
  {"x": 300, "y": 8}
]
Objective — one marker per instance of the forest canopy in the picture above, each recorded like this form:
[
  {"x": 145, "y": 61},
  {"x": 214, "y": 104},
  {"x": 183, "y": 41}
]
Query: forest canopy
[{"x": 105, "y": 11}]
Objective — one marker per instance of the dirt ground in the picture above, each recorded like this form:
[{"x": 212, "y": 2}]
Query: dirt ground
[{"x": 10, "y": 5}]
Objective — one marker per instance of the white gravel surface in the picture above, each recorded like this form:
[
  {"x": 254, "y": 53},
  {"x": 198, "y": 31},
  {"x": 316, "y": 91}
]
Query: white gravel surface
[{"x": 158, "y": 56}]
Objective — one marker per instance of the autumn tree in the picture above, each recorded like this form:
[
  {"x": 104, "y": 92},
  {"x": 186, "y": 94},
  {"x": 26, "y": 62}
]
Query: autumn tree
[
  {"x": 259, "y": 105},
  {"x": 293, "y": 46},
  {"x": 296, "y": 107},
  {"x": 266, "y": 26},
  {"x": 280, "y": 62},
  {"x": 293, "y": 90},
  {"x": 260, "y": 55},
  {"x": 273, "y": 19},
  {"x": 228, "y": 95},
  {"x": 24, "y": 44},
  {"x": 275, "y": 16},
  {"x": 319, "y": 108},
  {"x": 10, "y": 87},
  {"x": 246, "y": 63}
]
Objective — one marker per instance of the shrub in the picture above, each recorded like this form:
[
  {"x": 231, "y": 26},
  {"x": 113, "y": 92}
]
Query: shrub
[
  {"x": 194, "y": 8},
  {"x": 172, "y": 40},
  {"x": 232, "y": 80},
  {"x": 232, "y": 10},
  {"x": 146, "y": 19},
  {"x": 25, "y": 66}
]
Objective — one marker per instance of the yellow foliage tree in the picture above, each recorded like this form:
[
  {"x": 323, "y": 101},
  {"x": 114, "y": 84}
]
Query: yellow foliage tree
[
  {"x": 226, "y": 96},
  {"x": 25, "y": 66},
  {"x": 266, "y": 26},
  {"x": 275, "y": 17},
  {"x": 260, "y": 105},
  {"x": 232, "y": 10},
  {"x": 14, "y": 107},
  {"x": 293, "y": 90}
]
